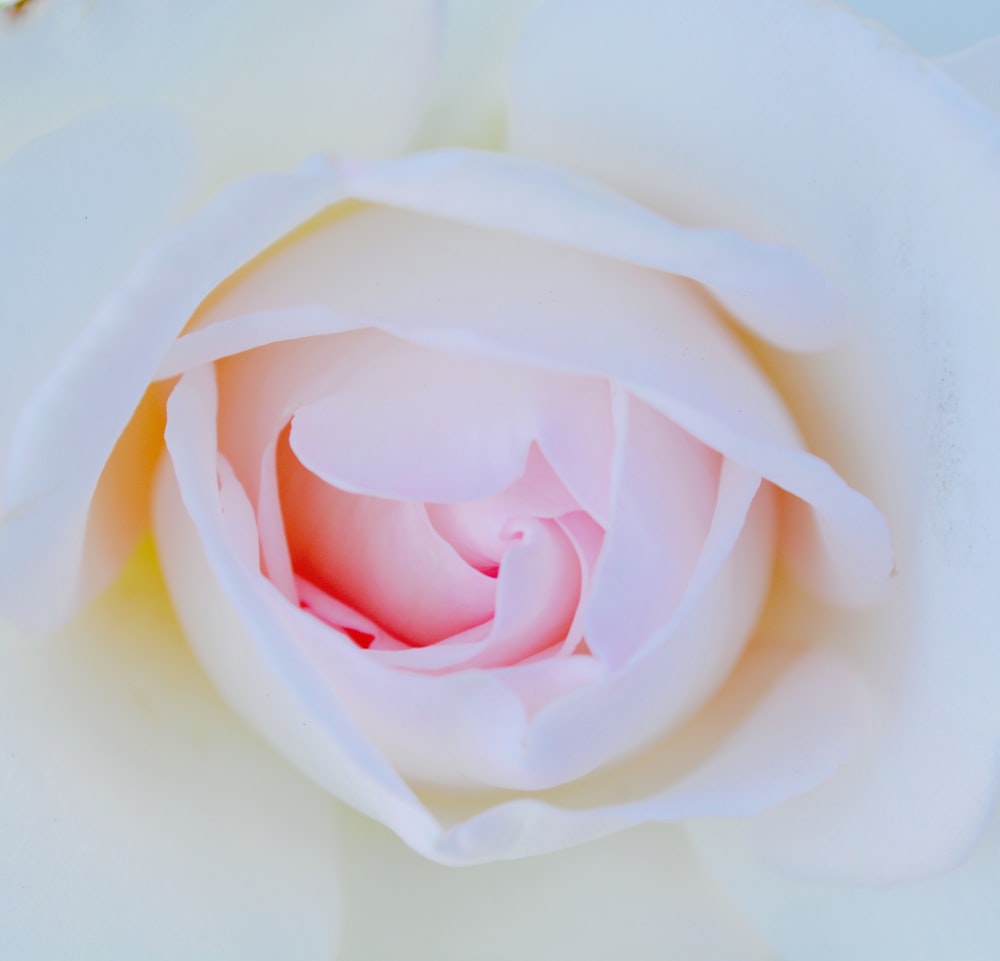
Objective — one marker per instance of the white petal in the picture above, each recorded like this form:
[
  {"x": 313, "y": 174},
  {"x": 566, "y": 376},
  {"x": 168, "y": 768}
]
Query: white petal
[
  {"x": 907, "y": 407},
  {"x": 468, "y": 101},
  {"x": 264, "y": 86},
  {"x": 950, "y": 916},
  {"x": 142, "y": 820},
  {"x": 977, "y": 69},
  {"x": 68, "y": 428},
  {"x": 774, "y": 290},
  {"x": 653, "y": 333},
  {"x": 68, "y": 233},
  {"x": 639, "y": 895}
]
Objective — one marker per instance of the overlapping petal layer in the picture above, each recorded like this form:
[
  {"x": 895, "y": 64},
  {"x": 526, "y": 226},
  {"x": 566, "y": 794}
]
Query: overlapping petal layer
[
  {"x": 679, "y": 423},
  {"x": 898, "y": 198}
]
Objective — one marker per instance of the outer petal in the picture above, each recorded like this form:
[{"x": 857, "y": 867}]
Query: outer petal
[
  {"x": 283, "y": 671},
  {"x": 263, "y": 84},
  {"x": 468, "y": 102},
  {"x": 978, "y": 71},
  {"x": 68, "y": 234},
  {"x": 639, "y": 895},
  {"x": 141, "y": 819},
  {"x": 68, "y": 428},
  {"x": 907, "y": 408},
  {"x": 651, "y": 332},
  {"x": 951, "y": 916}
]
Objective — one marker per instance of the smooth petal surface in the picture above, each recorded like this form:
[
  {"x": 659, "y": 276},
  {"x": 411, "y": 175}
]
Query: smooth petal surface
[
  {"x": 382, "y": 557},
  {"x": 67, "y": 430},
  {"x": 653, "y": 333},
  {"x": 468, "y": 105},
  {"x": 949, "y": 916},
  {"x": 639, "y": 895},
  {"x": 977, "y": 69},
  {"x": 141, "y": 818},
  {"x": 263, "y": 86},
  {"x": 325, "y": 704},
  {"x": 775, "y": 291},
  {"x": 427, "y": 425},
  {"x": 67, "y": 236},
  {"x": 907, "y": 407}
]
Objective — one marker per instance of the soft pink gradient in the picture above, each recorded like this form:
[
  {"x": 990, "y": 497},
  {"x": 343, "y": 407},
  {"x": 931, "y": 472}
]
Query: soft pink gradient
[{"x": 493, "y": 513}]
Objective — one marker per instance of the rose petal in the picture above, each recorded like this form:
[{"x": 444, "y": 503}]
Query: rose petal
[
  {"x": 736, "y": 780},
  {"x": 382, "y": 557},
  {"x": 468, "y": 103},
  {"x": 638, "y": 895},
  {"x": 142, "y": 820},
  {"x": 475, "y": 528},
  {"x": 290, "y": 699},
  {"x": 67, "y": 430},
  {"x": 419, "y": 424},
  {"x": 683, "y": 663},
  {"x": 915, "y": 418},
  {"x": 775, "y": 291},
  {"x": 952, "y": 915},
  {"x": 450, "y": 290},
  {"x": 224, "y": 60},
  {"x": 666, "y": 487},
  {"x": 978, "y": 71},
  {"x": 272, "y": 687},
  {"x": 66, "y": 236},
  {"x": 819, "y": 698}
]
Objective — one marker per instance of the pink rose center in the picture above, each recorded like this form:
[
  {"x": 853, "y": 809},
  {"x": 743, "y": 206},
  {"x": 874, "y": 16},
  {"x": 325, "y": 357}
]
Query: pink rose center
[
  {"x": 446, "y": 513},
  {"x": 503, "y": 573}
]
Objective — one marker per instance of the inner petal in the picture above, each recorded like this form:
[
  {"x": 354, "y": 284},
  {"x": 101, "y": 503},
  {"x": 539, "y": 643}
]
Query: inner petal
[
  {"x": 476, "y": 528},
  {"x": 380, "y": 556},
  {"x": 421, "y": 424},
  {"x": 666, "y": 487}
]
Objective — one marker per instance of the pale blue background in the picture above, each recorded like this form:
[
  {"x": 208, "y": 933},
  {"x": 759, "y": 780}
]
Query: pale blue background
[{"x": 935, "y": 27}]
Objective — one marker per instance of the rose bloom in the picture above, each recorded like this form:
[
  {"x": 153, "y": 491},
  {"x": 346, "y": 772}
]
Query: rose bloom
[{"x": 497, "y": 480}]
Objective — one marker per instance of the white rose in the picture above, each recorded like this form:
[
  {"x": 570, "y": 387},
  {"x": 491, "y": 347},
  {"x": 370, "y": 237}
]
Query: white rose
[{"x": 793, "y": 710}]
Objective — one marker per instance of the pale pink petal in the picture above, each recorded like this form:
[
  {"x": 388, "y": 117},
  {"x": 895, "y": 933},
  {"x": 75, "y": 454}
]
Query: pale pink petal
[
  {"x": 299, "y": 683},
  {"x": 382, "y": 557},
  {"x": 651, "y": 333},
  {"x": 817, "y": 710},
  {"x": 427, "y": 425},
  {"x": 543, "y": 679},
  {"x": 681, "y": 665},
  {"x": 260, "y": 390},
  {"x": 276, "y": 558},
  {"x": 665, "y": 491},
  {"x": 909, "y": 405},
  {"x": 345, "y": 618},
  {"x": 587, "y": 538},
  {"x": 538, "y": 589},
  {"x": 244, "y": 631},
  {"x": 475, "y": 528},
  {"x": 413, "y": 718}
]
